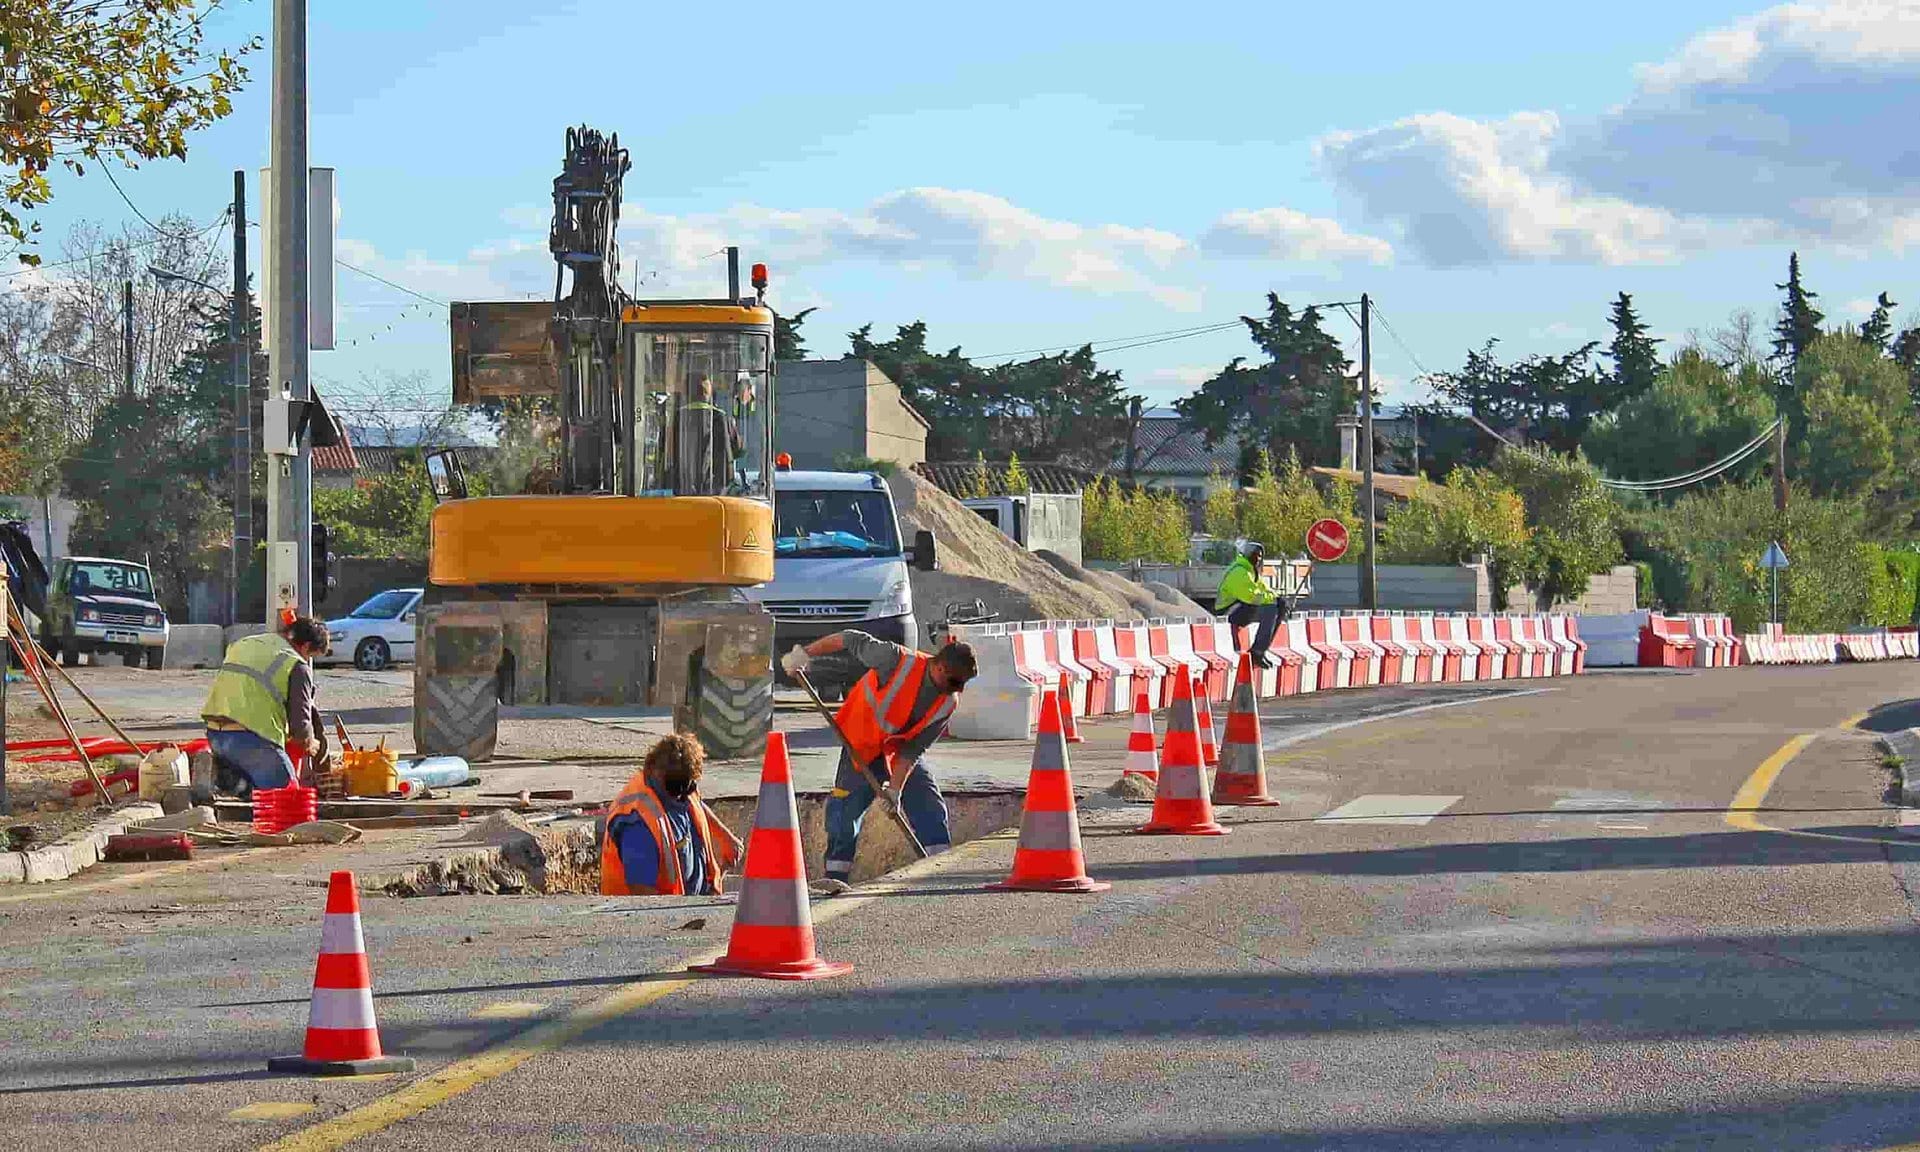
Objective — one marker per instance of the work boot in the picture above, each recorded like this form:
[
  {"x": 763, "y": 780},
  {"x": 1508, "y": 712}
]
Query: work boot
[{"x": 833, "y": 886}]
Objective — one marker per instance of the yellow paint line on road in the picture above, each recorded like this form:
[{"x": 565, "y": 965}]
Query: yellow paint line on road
[
  {"x": 271, "y": 1110},
  {"x": 1754, "y": 791},
  {"x": 59, "y": 889},
  {"x": 465, "y": 1075},
  {"x": 510, "y": 1010}
]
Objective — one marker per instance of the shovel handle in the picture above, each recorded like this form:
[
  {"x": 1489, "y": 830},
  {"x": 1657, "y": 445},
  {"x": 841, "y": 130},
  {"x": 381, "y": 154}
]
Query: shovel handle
[{"x": 887, "y": 799}]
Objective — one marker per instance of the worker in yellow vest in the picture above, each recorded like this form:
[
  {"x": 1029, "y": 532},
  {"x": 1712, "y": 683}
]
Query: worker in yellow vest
[
  {"x": 261, "y": 707},
  {"x": 660, "y": 838}
]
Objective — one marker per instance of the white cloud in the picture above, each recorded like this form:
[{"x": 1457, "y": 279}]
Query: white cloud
[
  {"x": 1788, "y": 125},
  {"x": 1285, "y": 234}
]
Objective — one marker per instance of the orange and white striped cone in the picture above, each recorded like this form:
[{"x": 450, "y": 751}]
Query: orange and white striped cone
[
  {"x": 1143, "y": 759},
  {"x": 1209, "y": 751},
  {"x": 773, "y": 920},
  {"x": 1048, "y": 858},
  {"x": 1067, "y": 725},
  {"x": 1180, "y": 806},
  {"x": 1242, "y": 776},
  {"x": 342, "y": 1038}
]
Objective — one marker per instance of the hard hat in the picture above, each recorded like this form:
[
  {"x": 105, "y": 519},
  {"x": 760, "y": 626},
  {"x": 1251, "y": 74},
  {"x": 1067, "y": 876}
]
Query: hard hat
[{"x": 1249, "y": 547}]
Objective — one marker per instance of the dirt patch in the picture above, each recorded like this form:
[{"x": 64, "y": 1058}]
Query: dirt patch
[
  {"x": 1147, "y": 601},
  {"x": 1131, "y": 786},
  {"x": 566, "y": 860},
  {"x": 976, "y": 561}
]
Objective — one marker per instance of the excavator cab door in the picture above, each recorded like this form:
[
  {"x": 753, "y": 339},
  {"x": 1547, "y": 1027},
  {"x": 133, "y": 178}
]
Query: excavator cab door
[{"x": 445, "y": 476}]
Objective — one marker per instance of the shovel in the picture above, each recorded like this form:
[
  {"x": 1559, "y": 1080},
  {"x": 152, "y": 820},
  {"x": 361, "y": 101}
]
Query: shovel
[{"x": 887, "y": 798}]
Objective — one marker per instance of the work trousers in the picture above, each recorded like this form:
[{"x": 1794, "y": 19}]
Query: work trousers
[
  {"x": 1267, "y": 616},
  {"x": 852, "y": 796}
]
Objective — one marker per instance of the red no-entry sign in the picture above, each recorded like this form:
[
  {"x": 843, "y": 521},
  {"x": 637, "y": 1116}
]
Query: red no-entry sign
[{"x": 1327, "y": 540}]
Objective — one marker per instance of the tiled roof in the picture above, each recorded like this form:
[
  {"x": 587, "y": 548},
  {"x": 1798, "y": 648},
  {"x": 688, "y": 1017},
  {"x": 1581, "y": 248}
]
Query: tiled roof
[
  {"x": 1386, "y": 483},
  {"x": 1165, "y": 446},
  {"x": 957, "y": 478},
  {"x": 376, "y": 461}
]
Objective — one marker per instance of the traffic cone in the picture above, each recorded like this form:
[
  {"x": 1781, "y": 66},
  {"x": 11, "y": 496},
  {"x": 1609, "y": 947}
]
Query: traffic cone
[
  {"x": 1180, "y": 806},
  {"x": 1209, "y": 751},
  {"x": 1143, "y": 759},
  {"x": 342, "y": 1039},
  {"x": 773, "y": 921},
  {"x": 1048, "y": 858},
  {"x": 1242, "y": 776},
  {"x": 1067, "y": 725}
]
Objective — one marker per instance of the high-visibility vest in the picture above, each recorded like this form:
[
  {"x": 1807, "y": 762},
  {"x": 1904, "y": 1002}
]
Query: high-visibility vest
[
  {"x": 639, "y": 799},
  {"x": 875, "y": 718},
  {"x": 251, "y": 687}
]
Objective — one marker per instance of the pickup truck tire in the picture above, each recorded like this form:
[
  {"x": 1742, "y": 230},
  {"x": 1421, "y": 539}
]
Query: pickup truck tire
[
  {"x": 732, "y": 716},
  {"x": 457, "y": 716},
  {"x": 155, "y": 657},
  {"x": 130, "y": 659},
  {"x": 68, "y": 657}
]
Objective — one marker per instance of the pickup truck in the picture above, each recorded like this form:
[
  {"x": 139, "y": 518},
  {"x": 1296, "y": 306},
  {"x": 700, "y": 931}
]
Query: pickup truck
[{"x": 97, "y": 605}]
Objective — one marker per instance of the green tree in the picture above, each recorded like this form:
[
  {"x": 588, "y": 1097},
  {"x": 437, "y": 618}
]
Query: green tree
[
  {"x": 1905, "y": 352},
  {"x": 1858, "y": 435},
  {"x": 1635, "y": 355},
  {"x": 1015, "y": 478},
  {"x": 1571, "y": 520},
  {"x": 1279, "y": 506},
  {"x": 1549, "y": 399},
  {"x": 151, "y": 479},
  {"x": 101, "y": 81},
  {"x": 1288, "y": 402},
  {"x": 1696, "y": 412},
  {"x": 1877, "y": 329},
  {"x": 1222, "y": 513},
  {"x": 788, "y": 343},
  {"x": 384, "y": 516},
  {"x": 980, "y": 483},
  {"x": 1800, "y": 321},
  {"x": 1474, "y": 514}
]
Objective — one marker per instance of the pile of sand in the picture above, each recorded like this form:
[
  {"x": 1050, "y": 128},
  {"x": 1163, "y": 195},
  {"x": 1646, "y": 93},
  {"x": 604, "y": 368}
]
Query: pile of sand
[{"x": 978, "y": 562}]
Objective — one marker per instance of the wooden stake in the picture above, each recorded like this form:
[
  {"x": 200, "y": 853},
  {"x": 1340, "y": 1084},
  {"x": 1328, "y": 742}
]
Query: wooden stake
[{"x": 29, "y": 654}]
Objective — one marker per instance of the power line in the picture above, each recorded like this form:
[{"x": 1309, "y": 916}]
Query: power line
[
  {"x": 108, "y": 170},
  {"x": 389, "y": 283}
]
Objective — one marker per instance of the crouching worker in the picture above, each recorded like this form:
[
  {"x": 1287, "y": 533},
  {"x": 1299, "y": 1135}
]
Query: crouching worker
[
  {"x": 261, "y": 707},
  {"x": 660, "y": 839},
  {"x": 893, "y": 716}
]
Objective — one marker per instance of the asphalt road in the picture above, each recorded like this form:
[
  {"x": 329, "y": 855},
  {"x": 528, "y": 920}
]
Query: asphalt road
[{"x": 1528, "y": 922}]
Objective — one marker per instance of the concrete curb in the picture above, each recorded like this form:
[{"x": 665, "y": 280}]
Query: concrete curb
[
  {"x": 1906, "y": 745},
  {"x": 74, "y": 851}
]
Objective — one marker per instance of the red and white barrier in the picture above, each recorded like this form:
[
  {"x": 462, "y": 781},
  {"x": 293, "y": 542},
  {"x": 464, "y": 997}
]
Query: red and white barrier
[
  {"x": 1135, "y": 644},
  {"x": 1446, "y": 657},
  {"x": 1103, "y": 696},
  {"x": 1368, "y": 657},
  {"x": 1058, "y": 640},
  {"x": 1394, "y": 666},
  {"x": 1175, "y": 638},
  {"x": 1205, "y": 644},
  {"x": 1493, "y": 652},
  {"x": 1302, "y": 658}
]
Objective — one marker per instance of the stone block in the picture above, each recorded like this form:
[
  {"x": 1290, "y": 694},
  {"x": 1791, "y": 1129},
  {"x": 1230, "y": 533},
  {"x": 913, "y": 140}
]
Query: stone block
[{"x": 195, "y": 646}]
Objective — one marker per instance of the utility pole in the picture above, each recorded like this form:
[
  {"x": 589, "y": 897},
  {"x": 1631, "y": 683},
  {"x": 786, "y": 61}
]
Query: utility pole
[
  {"x": 239, "y": 332},
  {"x": 1779, "y": 462},
  {"x": 1369, "y": 578},
  {"x": 126, "y": 333},
  {"x": 289, "y": 516}
]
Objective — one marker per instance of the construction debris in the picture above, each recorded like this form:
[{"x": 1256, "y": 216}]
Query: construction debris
[{"x": 137, "y": 846}]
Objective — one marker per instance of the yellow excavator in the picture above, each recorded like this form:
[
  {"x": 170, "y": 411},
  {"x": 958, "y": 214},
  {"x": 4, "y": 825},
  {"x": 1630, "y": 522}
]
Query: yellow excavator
[{"x": 613, "y": 580}]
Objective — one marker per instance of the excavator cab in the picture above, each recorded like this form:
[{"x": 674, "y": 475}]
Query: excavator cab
[{"x": 613, "y": 578}]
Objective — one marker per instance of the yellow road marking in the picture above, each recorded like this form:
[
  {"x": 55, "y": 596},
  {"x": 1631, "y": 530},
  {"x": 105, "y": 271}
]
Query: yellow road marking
[
  {"x": 1854, "y": 721},
  {"x": 509, "y": 1010},
  {"x": 1751, "y": 793},
  {"x": 465, "y": 1075},
  {"x": 271, "y": 1110},
  {"x": 60, "y": 888}
]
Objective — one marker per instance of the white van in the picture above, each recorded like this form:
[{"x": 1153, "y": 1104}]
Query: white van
[{"x": 839, "y": 562}]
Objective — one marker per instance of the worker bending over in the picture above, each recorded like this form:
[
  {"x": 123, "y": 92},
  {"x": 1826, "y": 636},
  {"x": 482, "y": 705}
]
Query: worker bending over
[
  {"x": 660, "y": 837},
  {"x": 260, "y": 713},
  {"x": 891, "y": 717},
  {"x": 1245, "y": 599}
]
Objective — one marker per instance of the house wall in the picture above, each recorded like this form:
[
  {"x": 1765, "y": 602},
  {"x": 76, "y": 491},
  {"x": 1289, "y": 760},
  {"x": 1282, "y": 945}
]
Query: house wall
[
  {"x": 1611, "y": 593},
  {"x": 820, "y": 411}
]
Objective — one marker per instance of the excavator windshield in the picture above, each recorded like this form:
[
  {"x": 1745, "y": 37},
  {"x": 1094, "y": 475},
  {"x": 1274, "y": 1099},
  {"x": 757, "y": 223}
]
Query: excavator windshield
[{"x": 702, "y": 404}]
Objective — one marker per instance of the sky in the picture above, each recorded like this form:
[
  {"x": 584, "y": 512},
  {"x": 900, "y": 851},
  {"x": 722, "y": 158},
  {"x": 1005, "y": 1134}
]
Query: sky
[{"x": 1027, "y": 176}]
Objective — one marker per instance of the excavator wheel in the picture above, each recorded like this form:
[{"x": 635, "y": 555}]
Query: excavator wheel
[
  {"x": 457, "y": 716},
  {"x": 733, "y": 715}
]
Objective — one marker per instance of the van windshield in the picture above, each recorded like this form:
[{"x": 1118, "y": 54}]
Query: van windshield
[
  {"x": 95, "y": 578},
  {"x": 834, "y": 524}
]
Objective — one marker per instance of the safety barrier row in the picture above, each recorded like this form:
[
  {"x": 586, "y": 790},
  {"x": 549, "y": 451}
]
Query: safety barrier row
[
  {"x": 1774, "y": 646},
  {"x": 1100, "y": 666},
  {"x": 1694, "y": 641}
]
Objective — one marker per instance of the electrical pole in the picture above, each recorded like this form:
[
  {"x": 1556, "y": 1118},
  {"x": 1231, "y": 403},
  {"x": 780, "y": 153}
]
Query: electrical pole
[
  {"x": 1779, "y": 462},
  {"x": 238, "y": 332},
  {"x": 126, "y": 333},
  {"x": 289, "y": 519},
  {"x": 1369, "y": 578}
]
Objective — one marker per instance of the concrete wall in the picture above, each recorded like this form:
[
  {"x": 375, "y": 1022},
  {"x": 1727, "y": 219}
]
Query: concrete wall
[
  {"x": 1608, "y": 594},
  {"x": 828, "y": 410},
  {"x": 1406, "y": 588}
]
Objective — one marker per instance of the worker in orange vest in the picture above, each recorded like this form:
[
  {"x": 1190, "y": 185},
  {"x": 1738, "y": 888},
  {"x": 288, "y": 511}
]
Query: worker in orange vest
[
  {"x": 896, "y": 711},
  {"x": 660, "y": 838}
]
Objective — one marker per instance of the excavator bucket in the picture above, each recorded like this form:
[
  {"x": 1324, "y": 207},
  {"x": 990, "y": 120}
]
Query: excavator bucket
[{"x": 503, "y": 349}]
